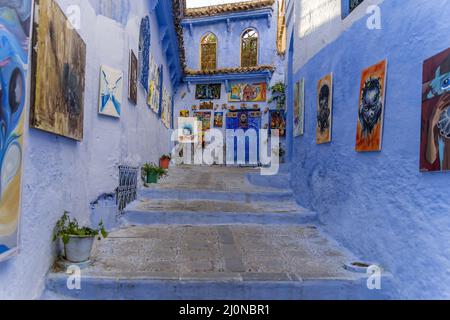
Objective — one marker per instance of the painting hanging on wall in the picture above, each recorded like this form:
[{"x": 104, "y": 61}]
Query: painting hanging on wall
[
  {"x": 184, "y": 113},
  {"x": 166, "y": 113},
  {"x": 324, "y": 109},
  {"x": 205, "y": 119},
  {"x": 15, "y": 30},
  {"x": 111, "y": 85},
  {"x": 299, "y": 108},
  {"x": 144, "y": 52},
  {"x": 218, "y": 120},
  {"x": 208, "y": 91},
  {"x": 206, "y": 105},
  {"x": 371, "y": 108},
  {"x": 435, "y": 133},
  {"x": 154, "y": 87},
  {"x": 187, "y": 130},
  {"x": 59, "y": 74},
  {"x": 245, "y": 92},
  {"x": 132, "y": 77},
  {"x": 277, "y": 120}
]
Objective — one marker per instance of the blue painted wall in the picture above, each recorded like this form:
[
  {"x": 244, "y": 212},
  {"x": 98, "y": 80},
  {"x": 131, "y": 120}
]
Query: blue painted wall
[{"x": 379, "y": 204}]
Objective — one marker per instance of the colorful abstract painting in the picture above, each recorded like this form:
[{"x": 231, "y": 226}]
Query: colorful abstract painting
[
  {"x": 187, "y": 130},
  {"x": 246, "y": 92},
  {"x": 369, "y": 133},
  {"x": 59, "y": 73},
  {"x": 206, "y": 105},
  {"x": 144, "y": 52},
  {"x": 166, "y": 114},
  {"x": 154, "y": 87},
  {"x": 15, "y": 17},
  {"x": 205, "y": 119},
  {"x": 277, "y": 121},
  {"x": 218, "y": 120},
  {"x": 299, "y": 108},
  {"x": 208, "y": 91},
  {"x": 324, "y": 109},
  {"x": 111, "y": 86},
  {"x": 435, "y": 133},
  {"x": 184, "y": 113},
  {"x": 132, "y": 77}
]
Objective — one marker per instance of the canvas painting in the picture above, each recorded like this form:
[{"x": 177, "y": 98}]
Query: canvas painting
[
  {"x": 324, "y": 109},
  {"x": 205, "y": 120},
  {"x": 154, "y": 87},
  {"x": 59, "y": 70},
  {"x": 166, "y": 114},
  {"x": 207, "y": 105},
  {"x": 299, "y": 108},
  {"x": 218, "y": 120},
  {"x": 187, "y": 130},
  {"x": 246, "y": 92},
  {"x": 111, "y": 84},
  {"x": 144, "y": 52},
  {"x": 184, "y": 113},
  {"x": 132, "y": 77},
  {"x": 208, "y": 91},
  {"x": 278, "y": 122},
  {"x": 15, "y": 30},
  {"x": 371, "y": 108},
  {"x": 435, "y": 133}
]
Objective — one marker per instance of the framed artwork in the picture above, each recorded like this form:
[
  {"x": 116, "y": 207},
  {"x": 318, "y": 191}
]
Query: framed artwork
[
  {"x": 154, "y": 87},
  {"x": 207, "y": 105},
  {"x": 435, "y": 131},
  {"x": 187, "y": 130},
  {"x": 166, "y": 114},
  {"x": 132, "y": 77},
  {"x": 369, "y": 133},
  {"x": 299, "y": 108},
  {"x": 277, "y": 120},
  {"x": 184, "y": 113},
  {"x": 205, "y": 120},
  {"x": 246, "y": 92},
  {"x": 218, "y": 120},
  {"x": 13, "y": 71},
  {"x": 59, "y": 73},
  {"x": 144, "y": 52},
  {"x": 324, "y": 109},
  {"x": 208, "y": 91},
  {"x": 111, "y": 85}
]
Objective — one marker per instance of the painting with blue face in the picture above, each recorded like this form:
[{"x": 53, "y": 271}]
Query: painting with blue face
[{"x": 15, "y": 18}]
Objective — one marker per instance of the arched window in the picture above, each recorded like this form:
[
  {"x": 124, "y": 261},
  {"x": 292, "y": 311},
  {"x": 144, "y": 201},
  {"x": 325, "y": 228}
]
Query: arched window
[
  {"x": 249, "y": 48},
  {"x": 208, "y": 52}
]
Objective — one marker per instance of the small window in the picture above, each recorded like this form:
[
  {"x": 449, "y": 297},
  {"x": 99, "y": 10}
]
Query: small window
[
  {"x": 348, "y": 6},
  {"x": 208, "y": 52},
  {"x": 249, "y": 48}
]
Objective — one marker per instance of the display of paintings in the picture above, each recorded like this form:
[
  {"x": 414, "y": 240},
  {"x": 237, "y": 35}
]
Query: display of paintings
[
  {"x": 111, "y": 85},
  {"x": 277, "y": 121},
  {"x": 166, "y": 112},
  {"x": 299, "y": 108},
  {"x": 187, "y": 130},
  {"x": 208, "y": 91},
  {"x": 184, "y": 113},
  {"x": 207, "y": 105},
  {"x": 246, "y": 92},
  {"x": 58, "y": 105},
  {"x": 144, "y": 52},
  {"x": 435, "y": 133},
  {"x": 154, "y": 87},
  {"x": 371, "y": 108},
  {"x": 324, "y": 109},
  {"x": 218, "y": 119},
  {"x": 205, "y": 120},
  {"x": 13, "y": 71},
  {"x": 132, "y": 77}
]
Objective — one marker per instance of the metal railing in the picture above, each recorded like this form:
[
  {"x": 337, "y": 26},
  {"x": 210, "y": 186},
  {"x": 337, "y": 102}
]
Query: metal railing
[{"x": 127, "y": 190}]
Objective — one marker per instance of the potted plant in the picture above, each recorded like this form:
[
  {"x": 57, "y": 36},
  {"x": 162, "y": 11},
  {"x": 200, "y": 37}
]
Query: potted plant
[
  {"x": 164, "y": 161},
  {"x": 152, "y": 172},
  {"x": 77, "y": 240}
]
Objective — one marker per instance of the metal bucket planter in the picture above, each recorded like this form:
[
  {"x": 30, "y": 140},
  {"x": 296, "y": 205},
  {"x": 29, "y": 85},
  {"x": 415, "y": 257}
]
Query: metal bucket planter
[
  {"x": 78, "y": 249},
  {"x": 152, "y": 178}
]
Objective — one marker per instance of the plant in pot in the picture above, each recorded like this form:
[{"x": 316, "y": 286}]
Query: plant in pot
[
  {"x": 152, "y": 172},
  {"x": 77, "y": 240},
  {"x": 164, "y": 162}
]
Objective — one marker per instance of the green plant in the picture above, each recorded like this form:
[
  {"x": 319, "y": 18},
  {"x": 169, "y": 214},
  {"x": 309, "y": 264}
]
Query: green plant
[
  {"x": 153, "y": 169},
  {"x": 279, "y": 95},
  {"x": 66, "y": 227}
]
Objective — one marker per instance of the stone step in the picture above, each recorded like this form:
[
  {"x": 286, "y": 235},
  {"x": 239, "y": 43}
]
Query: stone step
[
  {"x": 279, "y": 181},
  {"x": 228, "y": 262},
  {"x": 201, "y": 212}
]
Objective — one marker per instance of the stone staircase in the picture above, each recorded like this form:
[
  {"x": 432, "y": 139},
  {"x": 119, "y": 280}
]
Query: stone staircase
[{"x": 217, "y": 233}]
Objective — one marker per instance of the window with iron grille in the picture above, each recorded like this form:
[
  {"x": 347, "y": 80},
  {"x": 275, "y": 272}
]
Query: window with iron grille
[
  {"x": 208, "y": 52},
  {"x": 249, "y": 48},
  {"x": 127, "y": 190}
]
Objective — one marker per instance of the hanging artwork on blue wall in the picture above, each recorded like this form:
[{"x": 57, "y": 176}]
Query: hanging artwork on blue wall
[
  {"x": 111, "y": 86},
  {"x": 144, "y": 53},
  {"x": 15, "y": 18}
]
